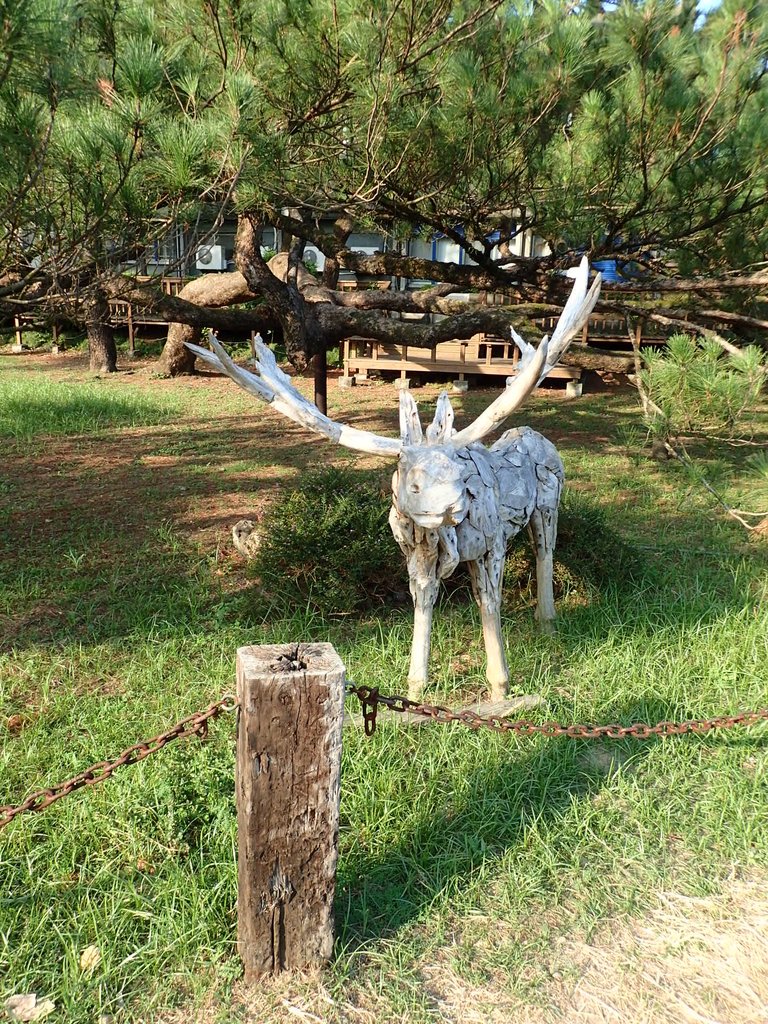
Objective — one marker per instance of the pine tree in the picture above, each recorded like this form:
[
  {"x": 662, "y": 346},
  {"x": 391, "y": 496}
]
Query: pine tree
[{"x": 634, "y": 132}]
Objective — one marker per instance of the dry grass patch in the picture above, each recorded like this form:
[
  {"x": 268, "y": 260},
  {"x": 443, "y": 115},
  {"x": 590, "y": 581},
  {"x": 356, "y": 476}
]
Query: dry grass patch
[
  {"x": 698, "y": 960},
  {"x": 703, "y": 961},
  {"x": 691, "y": 960}
]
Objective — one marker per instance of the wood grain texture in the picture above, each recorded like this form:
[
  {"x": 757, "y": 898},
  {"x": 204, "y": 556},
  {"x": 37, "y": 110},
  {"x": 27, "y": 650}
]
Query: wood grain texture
[{"x": 291, "y": 699}]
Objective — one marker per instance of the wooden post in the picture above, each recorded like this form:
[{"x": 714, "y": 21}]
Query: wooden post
[
  {"x": 345, "y": 347},
  {"x": 19, "y": 329},
  {"x": 291, "y": 699},
  {"x": 320, "y": 364},
  {"x": 131, "y": 336},
  {"x": 639, "y": 331}
]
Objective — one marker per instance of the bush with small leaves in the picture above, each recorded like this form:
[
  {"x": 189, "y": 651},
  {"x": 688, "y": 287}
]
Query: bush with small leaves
[
  {"x": 697, "y": 387},
  {"x": 327, "y": 544}
]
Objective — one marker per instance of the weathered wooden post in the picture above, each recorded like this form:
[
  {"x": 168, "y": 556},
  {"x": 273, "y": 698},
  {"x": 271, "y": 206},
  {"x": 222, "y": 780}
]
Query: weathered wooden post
[{"x": 291, "y": 699}]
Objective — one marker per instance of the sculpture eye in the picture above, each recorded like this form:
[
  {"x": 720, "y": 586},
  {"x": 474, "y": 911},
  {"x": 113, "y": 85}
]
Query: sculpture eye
[{"x": 415, "y": 489}]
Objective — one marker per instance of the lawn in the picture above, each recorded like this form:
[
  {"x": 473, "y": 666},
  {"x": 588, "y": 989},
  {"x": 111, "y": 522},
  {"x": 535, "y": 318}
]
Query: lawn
[{"x": 481, "y": 877}]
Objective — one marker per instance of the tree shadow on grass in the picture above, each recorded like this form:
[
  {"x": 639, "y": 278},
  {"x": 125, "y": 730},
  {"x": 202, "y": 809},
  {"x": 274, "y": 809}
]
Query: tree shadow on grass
[
  {"x": 454, "y": 846},
  {"x": 100, "y": 537},
  {"x": 83, "y": 520},
  {"x": 453, "y": 840}
]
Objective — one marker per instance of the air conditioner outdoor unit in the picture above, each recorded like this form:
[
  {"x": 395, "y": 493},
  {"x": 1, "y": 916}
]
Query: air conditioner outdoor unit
[
  {"x": 315, "y": 256},
  {"x": 210, "y": 257}
]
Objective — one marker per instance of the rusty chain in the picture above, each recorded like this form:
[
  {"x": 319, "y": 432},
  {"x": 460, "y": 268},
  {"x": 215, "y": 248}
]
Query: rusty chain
[
  {"x": 370, "y": 700},
  {"x": 193, "y": 725}
]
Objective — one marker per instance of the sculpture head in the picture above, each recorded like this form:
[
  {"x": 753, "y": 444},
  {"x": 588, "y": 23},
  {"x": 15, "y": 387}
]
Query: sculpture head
[{"x": 428, "y": 487}]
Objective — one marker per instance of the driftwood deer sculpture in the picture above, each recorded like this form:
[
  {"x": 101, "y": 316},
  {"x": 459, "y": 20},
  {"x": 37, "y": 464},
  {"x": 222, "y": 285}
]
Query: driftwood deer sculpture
[{"x": 453, "y": 500}]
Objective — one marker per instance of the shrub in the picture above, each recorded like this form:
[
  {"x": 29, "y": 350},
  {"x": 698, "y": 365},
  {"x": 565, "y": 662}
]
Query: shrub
[
  {"x": 328, "y": 544},
  {"x": 697, "y": 387}
]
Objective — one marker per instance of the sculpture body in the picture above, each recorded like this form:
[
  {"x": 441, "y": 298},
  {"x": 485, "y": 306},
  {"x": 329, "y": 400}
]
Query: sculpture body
[
  {"x": 246, "y": 538},
  {"x": 488, "y": 496},
  {"x": 453, "y": 500}
]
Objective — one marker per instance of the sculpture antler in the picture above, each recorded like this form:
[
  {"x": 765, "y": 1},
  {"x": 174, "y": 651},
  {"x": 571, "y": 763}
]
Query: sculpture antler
[
  {"x": 536, "y": 363},
  {"x": 270, "y": 384}
]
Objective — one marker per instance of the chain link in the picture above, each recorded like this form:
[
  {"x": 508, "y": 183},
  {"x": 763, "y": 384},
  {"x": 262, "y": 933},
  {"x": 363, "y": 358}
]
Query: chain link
[
  {"x": 370, "y": 700},
  {"x": 193, "y": 725}
]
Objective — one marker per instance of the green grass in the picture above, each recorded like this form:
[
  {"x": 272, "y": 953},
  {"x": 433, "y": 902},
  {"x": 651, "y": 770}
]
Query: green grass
[
  {"x": 35, "y": 407},
  {"x": 119, "y": 618}
]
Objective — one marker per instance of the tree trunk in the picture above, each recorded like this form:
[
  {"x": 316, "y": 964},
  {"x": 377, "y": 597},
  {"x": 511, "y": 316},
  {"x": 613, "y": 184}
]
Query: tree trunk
[
  {"x": 176, "y": 359},
  {"x": 589, "y": 358},
  {"x": 102, "y": 350},
  {"x": 213, "y": 290},
  {"x": 320, "y": 367}
]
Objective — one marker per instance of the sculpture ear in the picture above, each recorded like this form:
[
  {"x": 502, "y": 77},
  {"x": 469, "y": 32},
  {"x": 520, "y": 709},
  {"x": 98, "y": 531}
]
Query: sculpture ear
[
  {"x": 441, "y": 428},
  {"x": 410, "y": 424}
]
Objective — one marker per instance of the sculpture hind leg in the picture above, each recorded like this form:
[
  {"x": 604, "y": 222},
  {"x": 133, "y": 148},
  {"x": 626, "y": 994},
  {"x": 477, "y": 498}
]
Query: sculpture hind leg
[
  {"x": 542, "y": 530},
  {"x": 486, "y": 574}
]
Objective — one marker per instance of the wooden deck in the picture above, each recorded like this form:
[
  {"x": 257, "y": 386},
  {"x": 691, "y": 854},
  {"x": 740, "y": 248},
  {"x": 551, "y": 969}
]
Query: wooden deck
[
  {"x": 480, "y": 355},
  {"x": 484, "y": 355},
  {"x": 123, "y": 315},
  {"x": 609, "y": 330}
]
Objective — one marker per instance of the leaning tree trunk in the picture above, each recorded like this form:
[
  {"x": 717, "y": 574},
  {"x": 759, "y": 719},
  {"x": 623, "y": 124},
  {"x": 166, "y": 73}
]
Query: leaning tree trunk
[
  {"x": 102, "y": 350},
  {"x": 213, "y": 290},
  {"x": 176, "y": 359},
  {"x": 590, "y": 358}
]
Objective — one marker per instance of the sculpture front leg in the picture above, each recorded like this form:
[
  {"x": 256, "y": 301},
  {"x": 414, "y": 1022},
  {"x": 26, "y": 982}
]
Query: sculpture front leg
[
  {"x": 497, "y": 670},
  {"x": 423, "y": 578},
  {"x": 418, "y": 673}
]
